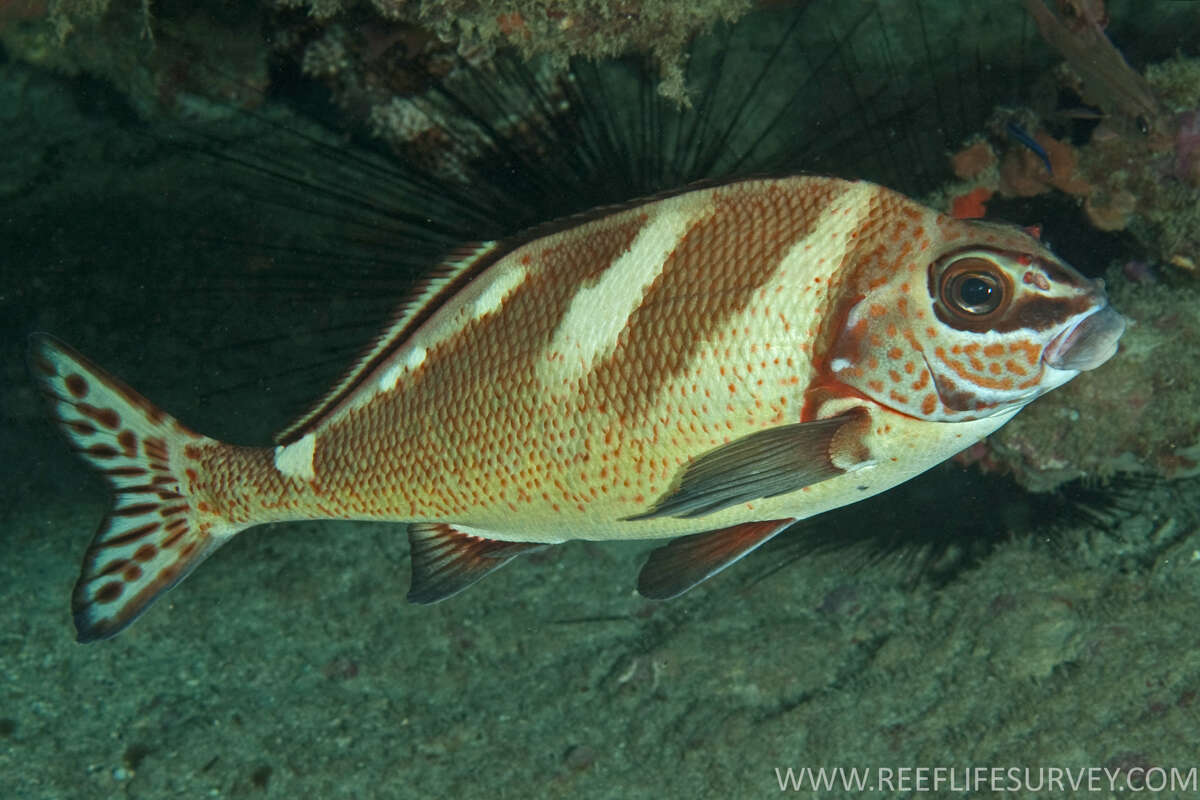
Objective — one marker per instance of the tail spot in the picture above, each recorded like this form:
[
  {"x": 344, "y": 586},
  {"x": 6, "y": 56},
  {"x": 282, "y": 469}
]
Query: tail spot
[
  {"x": 76, "y": 385},
  {"x": 105, "y": 451},
  {"x": 105, "y": 416},
  {"x": 113, "y": 567}
]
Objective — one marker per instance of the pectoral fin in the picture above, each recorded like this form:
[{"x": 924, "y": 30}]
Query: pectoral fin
[
  {"x": 764, "y": 464},
  {"x": 445, "y": 560},
  {"x": 676, "y": 567}
]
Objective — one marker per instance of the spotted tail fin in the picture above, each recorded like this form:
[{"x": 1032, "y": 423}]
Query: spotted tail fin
[{"x": 153, "y": 536}]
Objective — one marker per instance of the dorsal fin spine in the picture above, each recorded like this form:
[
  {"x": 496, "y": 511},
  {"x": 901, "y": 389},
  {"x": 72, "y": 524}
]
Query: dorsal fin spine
[{"x": 459, "y": 266}]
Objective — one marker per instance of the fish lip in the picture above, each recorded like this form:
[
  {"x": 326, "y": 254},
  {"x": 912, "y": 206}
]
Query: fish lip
[{"x": 1088, "y": 343}]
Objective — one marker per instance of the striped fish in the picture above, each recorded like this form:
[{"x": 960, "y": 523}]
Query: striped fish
[{"x": 707, "y": 367}]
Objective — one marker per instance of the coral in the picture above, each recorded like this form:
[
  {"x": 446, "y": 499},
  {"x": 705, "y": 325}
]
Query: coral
[
  {"x": 106, "y": 37},
  {"x": 973, "y": 160},
  {"x": 327, "y": 57},
  {"x": 972, "y": 204},
  {"x": 192, "y": 64},
  {"x": 1110, "y": 211},
  {"x": 1176, "y": 82},
  {"x": 560, "y": 29}
]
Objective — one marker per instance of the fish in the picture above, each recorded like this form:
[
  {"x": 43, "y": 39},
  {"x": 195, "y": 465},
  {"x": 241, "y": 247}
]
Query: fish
[
  {"x": 1022, "y": 136},
  {"x": 1076, "y": 31},
  {"x": 707, "y": 367}
]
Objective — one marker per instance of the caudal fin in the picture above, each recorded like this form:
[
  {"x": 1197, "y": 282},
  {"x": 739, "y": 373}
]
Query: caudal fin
[{"x": 152, "y": 537}]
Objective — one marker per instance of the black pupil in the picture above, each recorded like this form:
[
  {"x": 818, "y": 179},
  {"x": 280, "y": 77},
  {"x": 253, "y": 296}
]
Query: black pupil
[{"x": 976, "y": 292}]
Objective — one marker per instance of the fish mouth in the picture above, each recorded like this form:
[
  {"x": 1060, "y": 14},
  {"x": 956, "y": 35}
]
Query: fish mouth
[{"x": 1087, "y": 345}]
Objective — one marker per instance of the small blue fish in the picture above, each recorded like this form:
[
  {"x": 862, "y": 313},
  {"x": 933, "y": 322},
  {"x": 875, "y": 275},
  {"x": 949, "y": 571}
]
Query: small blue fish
[{"x": 1021, "y": 135}]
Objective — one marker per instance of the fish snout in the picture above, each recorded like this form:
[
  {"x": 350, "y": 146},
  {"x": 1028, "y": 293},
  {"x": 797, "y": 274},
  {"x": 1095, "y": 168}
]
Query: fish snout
[{"x": 1088, "y": 344}]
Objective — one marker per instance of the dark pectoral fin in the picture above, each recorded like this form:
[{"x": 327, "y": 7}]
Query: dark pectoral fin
[
  {"x": 445, "y": 560},
  {"x": 674, "y": 568},
  {"x": 764, "y": 464}
]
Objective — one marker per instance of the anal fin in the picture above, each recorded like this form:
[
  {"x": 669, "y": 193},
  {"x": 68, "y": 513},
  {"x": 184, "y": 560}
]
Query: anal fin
[
  {"x": 676, "y": 567},
  {"x": 445, "y": 560}
]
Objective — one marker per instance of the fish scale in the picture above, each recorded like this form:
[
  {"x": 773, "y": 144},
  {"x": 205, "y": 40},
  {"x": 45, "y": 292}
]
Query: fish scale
[{"x": 707, "y": 367}]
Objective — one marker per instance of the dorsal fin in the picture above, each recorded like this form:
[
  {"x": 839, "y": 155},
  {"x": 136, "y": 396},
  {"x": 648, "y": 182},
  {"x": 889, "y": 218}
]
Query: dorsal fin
[{"x": 459, "y": 267}]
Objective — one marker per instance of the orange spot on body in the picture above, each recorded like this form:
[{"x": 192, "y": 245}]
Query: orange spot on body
[
  {"x": 1032, "y": 351},
  {"x": 979, "y": 380},
  {"x": 1015, "y": 368},
  {"x": 912, "y": 341}
]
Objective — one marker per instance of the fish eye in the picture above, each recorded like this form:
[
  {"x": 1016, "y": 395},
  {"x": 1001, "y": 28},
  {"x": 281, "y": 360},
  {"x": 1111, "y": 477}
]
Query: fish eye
[
  {"x": 971, "y": 286},
  {"x": 976, "y": 293}
]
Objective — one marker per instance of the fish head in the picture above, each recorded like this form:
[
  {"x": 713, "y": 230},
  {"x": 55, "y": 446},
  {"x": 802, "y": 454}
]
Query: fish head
[{"x": 980, "y": 322}]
